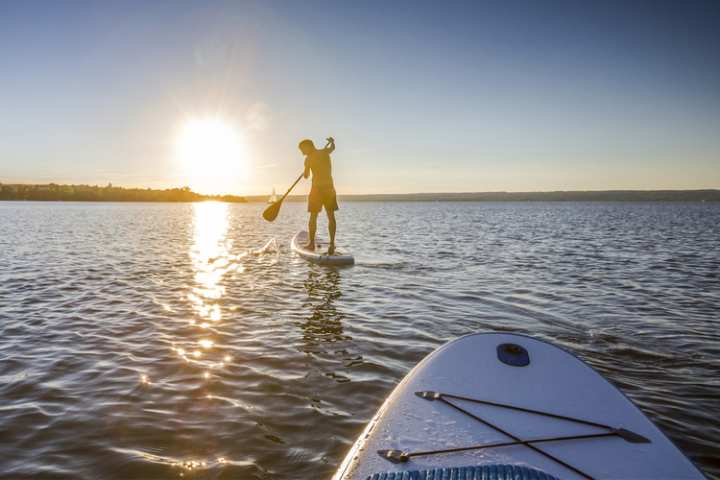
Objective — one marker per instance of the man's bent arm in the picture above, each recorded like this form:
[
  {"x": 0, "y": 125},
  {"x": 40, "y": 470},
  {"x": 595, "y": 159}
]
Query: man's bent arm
[{"x": 306, "y": 173}]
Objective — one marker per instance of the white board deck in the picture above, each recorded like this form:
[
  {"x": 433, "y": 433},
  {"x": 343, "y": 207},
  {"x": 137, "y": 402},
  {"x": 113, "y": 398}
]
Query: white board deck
[
  {"x": 319, "y": 255},
  {"x": 554, "y": 381}
]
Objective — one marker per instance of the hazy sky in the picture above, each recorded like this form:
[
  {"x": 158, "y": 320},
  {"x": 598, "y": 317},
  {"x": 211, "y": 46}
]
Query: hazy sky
[{"x": 420, "y": 96}]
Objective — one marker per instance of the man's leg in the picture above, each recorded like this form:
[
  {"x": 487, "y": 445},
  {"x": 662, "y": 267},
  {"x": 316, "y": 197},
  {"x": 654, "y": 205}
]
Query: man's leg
[
  {"x": 331, "y": 230},
  {"x": 312, "y": 228}
]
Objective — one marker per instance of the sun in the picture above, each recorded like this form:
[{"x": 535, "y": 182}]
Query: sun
[{"x": 213, "y": 154}]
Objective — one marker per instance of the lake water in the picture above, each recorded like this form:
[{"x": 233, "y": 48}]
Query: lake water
[{"x": 154, "y": 340}]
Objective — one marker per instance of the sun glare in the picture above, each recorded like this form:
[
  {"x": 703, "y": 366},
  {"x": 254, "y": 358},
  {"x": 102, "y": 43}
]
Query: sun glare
[{"x": 213, "y": 155}]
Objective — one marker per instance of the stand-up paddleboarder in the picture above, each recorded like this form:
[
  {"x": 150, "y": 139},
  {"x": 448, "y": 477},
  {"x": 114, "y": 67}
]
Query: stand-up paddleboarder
[{"x": 322, "y": 193}]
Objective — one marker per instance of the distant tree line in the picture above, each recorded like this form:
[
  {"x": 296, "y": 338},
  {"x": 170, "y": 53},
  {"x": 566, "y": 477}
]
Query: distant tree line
[{"x": 109, "y": 193}]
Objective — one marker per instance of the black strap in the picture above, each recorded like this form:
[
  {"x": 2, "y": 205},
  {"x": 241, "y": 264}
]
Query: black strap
[{"x": 397, "y": 456}]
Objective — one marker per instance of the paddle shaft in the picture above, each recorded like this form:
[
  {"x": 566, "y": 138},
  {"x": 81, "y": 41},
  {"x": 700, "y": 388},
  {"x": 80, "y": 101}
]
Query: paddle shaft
[{"x": 291, "y": 187}]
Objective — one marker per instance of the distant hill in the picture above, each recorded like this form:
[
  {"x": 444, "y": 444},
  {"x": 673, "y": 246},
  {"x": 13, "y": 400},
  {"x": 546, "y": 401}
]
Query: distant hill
[
  {"x": 109, "y": 193},
  {"x": 559, "y": 196}
]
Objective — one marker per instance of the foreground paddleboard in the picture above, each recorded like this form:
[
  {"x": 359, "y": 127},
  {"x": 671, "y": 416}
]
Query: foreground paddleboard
[
  {"x": 538, "y": 412},
  {"x": 319, "y": 255}
]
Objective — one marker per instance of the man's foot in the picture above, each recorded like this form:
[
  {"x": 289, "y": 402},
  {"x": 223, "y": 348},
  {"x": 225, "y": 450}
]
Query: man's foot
[
  {"x": 331, "y": 249},
  {"x": 309, "y": 246}
]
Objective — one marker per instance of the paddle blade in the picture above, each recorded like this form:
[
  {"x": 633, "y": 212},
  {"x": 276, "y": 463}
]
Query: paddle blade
[{"x": 271, "y": 213}]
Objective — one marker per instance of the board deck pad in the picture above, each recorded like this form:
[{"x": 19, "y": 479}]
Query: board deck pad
[
  {"x": 489, "y": 472},
  {"x": 439, "y": 406}
]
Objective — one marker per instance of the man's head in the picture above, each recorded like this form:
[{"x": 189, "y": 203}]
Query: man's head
[{"x": 306, "y": 147}]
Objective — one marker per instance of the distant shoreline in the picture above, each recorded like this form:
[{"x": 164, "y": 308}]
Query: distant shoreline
[
  {"x": 110, "y": 193},
  {"x": 92, "y": 193},
  {"x": 709, "y": 195}
]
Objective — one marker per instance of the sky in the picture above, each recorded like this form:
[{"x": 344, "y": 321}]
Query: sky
[{"x": 420, "y": 96}]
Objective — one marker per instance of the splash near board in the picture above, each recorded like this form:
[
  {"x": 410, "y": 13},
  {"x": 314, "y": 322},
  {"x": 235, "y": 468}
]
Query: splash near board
[
  {"x": 319, "y": 255},
  {"x": 508, "y": 406}
]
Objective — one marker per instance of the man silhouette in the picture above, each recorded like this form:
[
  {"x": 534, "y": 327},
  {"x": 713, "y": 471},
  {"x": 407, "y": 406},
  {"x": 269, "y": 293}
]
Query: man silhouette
[{"x": 322, "y": 192}]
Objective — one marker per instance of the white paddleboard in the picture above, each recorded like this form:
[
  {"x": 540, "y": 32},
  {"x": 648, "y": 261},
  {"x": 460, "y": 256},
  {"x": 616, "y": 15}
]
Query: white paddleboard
[
  {"x": 319, "y": 255},
  {"x": 536, "y": 391}
]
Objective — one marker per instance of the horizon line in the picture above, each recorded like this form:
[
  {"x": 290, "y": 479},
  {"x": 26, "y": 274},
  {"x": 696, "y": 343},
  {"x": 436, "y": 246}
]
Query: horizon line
[{"x": 463, "y": 192}]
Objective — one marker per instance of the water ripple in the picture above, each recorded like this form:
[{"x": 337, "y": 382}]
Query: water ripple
[{"x": 186, "y": 341}]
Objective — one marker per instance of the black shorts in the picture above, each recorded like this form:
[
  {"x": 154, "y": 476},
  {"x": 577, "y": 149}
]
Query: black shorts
[{"x": 322, "y": 197}]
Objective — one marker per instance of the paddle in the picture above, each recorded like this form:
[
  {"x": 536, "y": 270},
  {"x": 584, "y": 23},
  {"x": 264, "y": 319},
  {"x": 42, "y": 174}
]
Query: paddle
[{"x": 271, "y": 212}]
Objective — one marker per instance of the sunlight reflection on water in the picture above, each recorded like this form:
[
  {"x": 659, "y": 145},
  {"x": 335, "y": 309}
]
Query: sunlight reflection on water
[
  {"x": 210, "y": 257},
  {"x": 212, "y": 261}
]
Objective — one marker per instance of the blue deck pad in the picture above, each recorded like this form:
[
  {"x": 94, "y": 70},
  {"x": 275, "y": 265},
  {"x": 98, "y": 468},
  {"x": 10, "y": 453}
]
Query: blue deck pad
[{"x": 482, "y": 472}]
